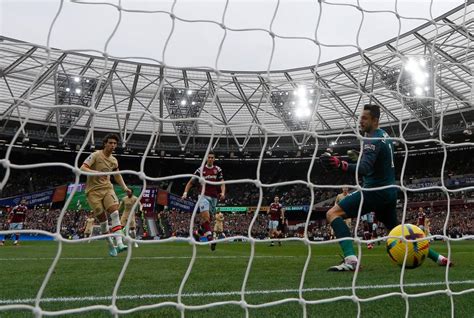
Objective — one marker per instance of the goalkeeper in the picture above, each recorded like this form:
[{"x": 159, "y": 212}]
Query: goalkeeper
[{"x": 377, "y": 169}]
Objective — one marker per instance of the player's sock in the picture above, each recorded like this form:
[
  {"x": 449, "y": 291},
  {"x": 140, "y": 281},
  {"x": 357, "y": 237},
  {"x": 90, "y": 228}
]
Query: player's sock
[
  {"x": 444, "y": 261},
  {"x": 104, "y": 228},
  {"x": 133, "y": 234},
  {"x": 367, "y": 236},
  {"x": 341, "y": 230},
  {"x": 433, "y": 255},
  {"x": 206, "y": 226},
  {"x": 116, "y": 226}
]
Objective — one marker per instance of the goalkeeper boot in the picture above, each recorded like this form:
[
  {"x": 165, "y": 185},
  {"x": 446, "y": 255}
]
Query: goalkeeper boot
[
  {"x": 121, "y": 248},
  {"x": 349, "y": 264},
  {"x": 443, "y": 261}
]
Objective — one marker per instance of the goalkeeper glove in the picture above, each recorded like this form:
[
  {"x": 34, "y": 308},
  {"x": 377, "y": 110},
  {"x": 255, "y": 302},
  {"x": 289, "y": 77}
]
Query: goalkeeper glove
[
  {"x": 353, "y": 155},
  {"x": 333, "y": 162}
]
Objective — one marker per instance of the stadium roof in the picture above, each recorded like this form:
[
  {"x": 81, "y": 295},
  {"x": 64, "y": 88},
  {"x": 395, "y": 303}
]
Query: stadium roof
[{"x": 126, "y": 96}]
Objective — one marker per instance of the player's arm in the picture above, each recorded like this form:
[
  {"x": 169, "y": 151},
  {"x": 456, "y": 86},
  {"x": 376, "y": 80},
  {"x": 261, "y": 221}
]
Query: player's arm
[
  {"x": 88, "y": 163},
  {"x": 222, "y": 194},
  {"x": 188, "y": 187},
  {"x": 118, "y": 178},
  {"x": 220, "y": 177},
  {"x": 366, "y": 164},
  {"x": 190, "y": 184}
]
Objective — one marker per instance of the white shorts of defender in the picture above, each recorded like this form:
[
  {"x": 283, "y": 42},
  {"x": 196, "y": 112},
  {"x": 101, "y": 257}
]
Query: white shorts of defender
[
  {"x": 207, "y": 203},
  {"x": 15, "y": 226},
  {"x": 272, "y": 224}
]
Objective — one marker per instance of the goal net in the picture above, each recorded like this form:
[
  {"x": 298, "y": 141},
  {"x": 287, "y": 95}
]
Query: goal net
[{"x": 269, "y": 88}]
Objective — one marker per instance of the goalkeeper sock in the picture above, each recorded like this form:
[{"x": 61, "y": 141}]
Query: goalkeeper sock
[
  {"x": 133, "y": 233},
  {"x": 341, "y": 230},
  {"x": 433, "y": 255},
  {"x": 104, "y": 228},
  {"x": 116, "y": 226}
]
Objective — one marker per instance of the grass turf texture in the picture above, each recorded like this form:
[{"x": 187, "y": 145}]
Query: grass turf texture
[{"x": 155, "y": 273}]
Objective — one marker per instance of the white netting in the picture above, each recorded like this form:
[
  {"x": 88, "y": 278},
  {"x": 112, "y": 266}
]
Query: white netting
[{"x": 24, "y": 108}]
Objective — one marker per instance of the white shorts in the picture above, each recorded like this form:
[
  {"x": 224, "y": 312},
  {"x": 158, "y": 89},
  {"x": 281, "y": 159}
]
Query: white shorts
[
  {"x": 272, "y": 225},
  {"x": 15, "y": 226},
  {"x": 207, "y": 203}
]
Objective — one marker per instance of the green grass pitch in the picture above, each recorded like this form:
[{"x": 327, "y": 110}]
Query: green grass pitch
[{"x": 85, "y": 276}]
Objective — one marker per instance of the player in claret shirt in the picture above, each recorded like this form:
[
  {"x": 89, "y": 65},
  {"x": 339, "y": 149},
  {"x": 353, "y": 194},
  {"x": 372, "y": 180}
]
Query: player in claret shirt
[
  {"x": 17, "y": 220},
  {"x": 212, "y": 194},
  {"x": 275, "y": 213}
]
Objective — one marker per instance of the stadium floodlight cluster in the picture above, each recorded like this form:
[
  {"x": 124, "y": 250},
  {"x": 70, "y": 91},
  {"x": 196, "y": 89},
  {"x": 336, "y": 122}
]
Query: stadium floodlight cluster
[
  {"x": 295, "y": 107},
  {"x": 74, "y": 89},
  {"x": 412, "y": 83},
  {"x": 184, "y": 103}
]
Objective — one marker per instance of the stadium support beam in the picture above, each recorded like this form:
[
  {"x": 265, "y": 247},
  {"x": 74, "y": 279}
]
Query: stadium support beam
[
  {"x": 335, "y": 96},
  {"x": 20, "y": 60},
  {"x": 452, "y": 93},
  {"x": 212, "y": 90},
  {"x": 460, "y": 29},
  {"x": 130, "y": 102},
  {"x": 185, "y": 79},
  {"x": 364, "y": 90},
  {"x": 101, "y": 91},
  {"x": 40, "y": 81},
  {"x": 443, "y": 53},
  {"x": 147, "y": 109},
  {"x": 245, "y": 99}
]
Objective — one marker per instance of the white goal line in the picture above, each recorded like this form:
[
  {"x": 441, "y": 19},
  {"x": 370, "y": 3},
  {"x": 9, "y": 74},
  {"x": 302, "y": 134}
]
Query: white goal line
[{"x": 229, "y": 293}]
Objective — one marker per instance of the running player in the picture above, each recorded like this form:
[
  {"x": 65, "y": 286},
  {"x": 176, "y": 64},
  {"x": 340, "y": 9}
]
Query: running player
[
  {"x": 212, "y": 193},
  {"x": 126, "y": 205},
  {"x": 100, "y": 191}
]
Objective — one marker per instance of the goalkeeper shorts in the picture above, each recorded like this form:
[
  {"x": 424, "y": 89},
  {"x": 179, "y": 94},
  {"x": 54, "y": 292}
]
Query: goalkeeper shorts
[{"x": 382, "y": 202}]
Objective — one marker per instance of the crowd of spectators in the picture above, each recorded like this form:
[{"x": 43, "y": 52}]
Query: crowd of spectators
[
  {"x": 248, "y": 194},
  {"x": 176, "y": 223}
]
